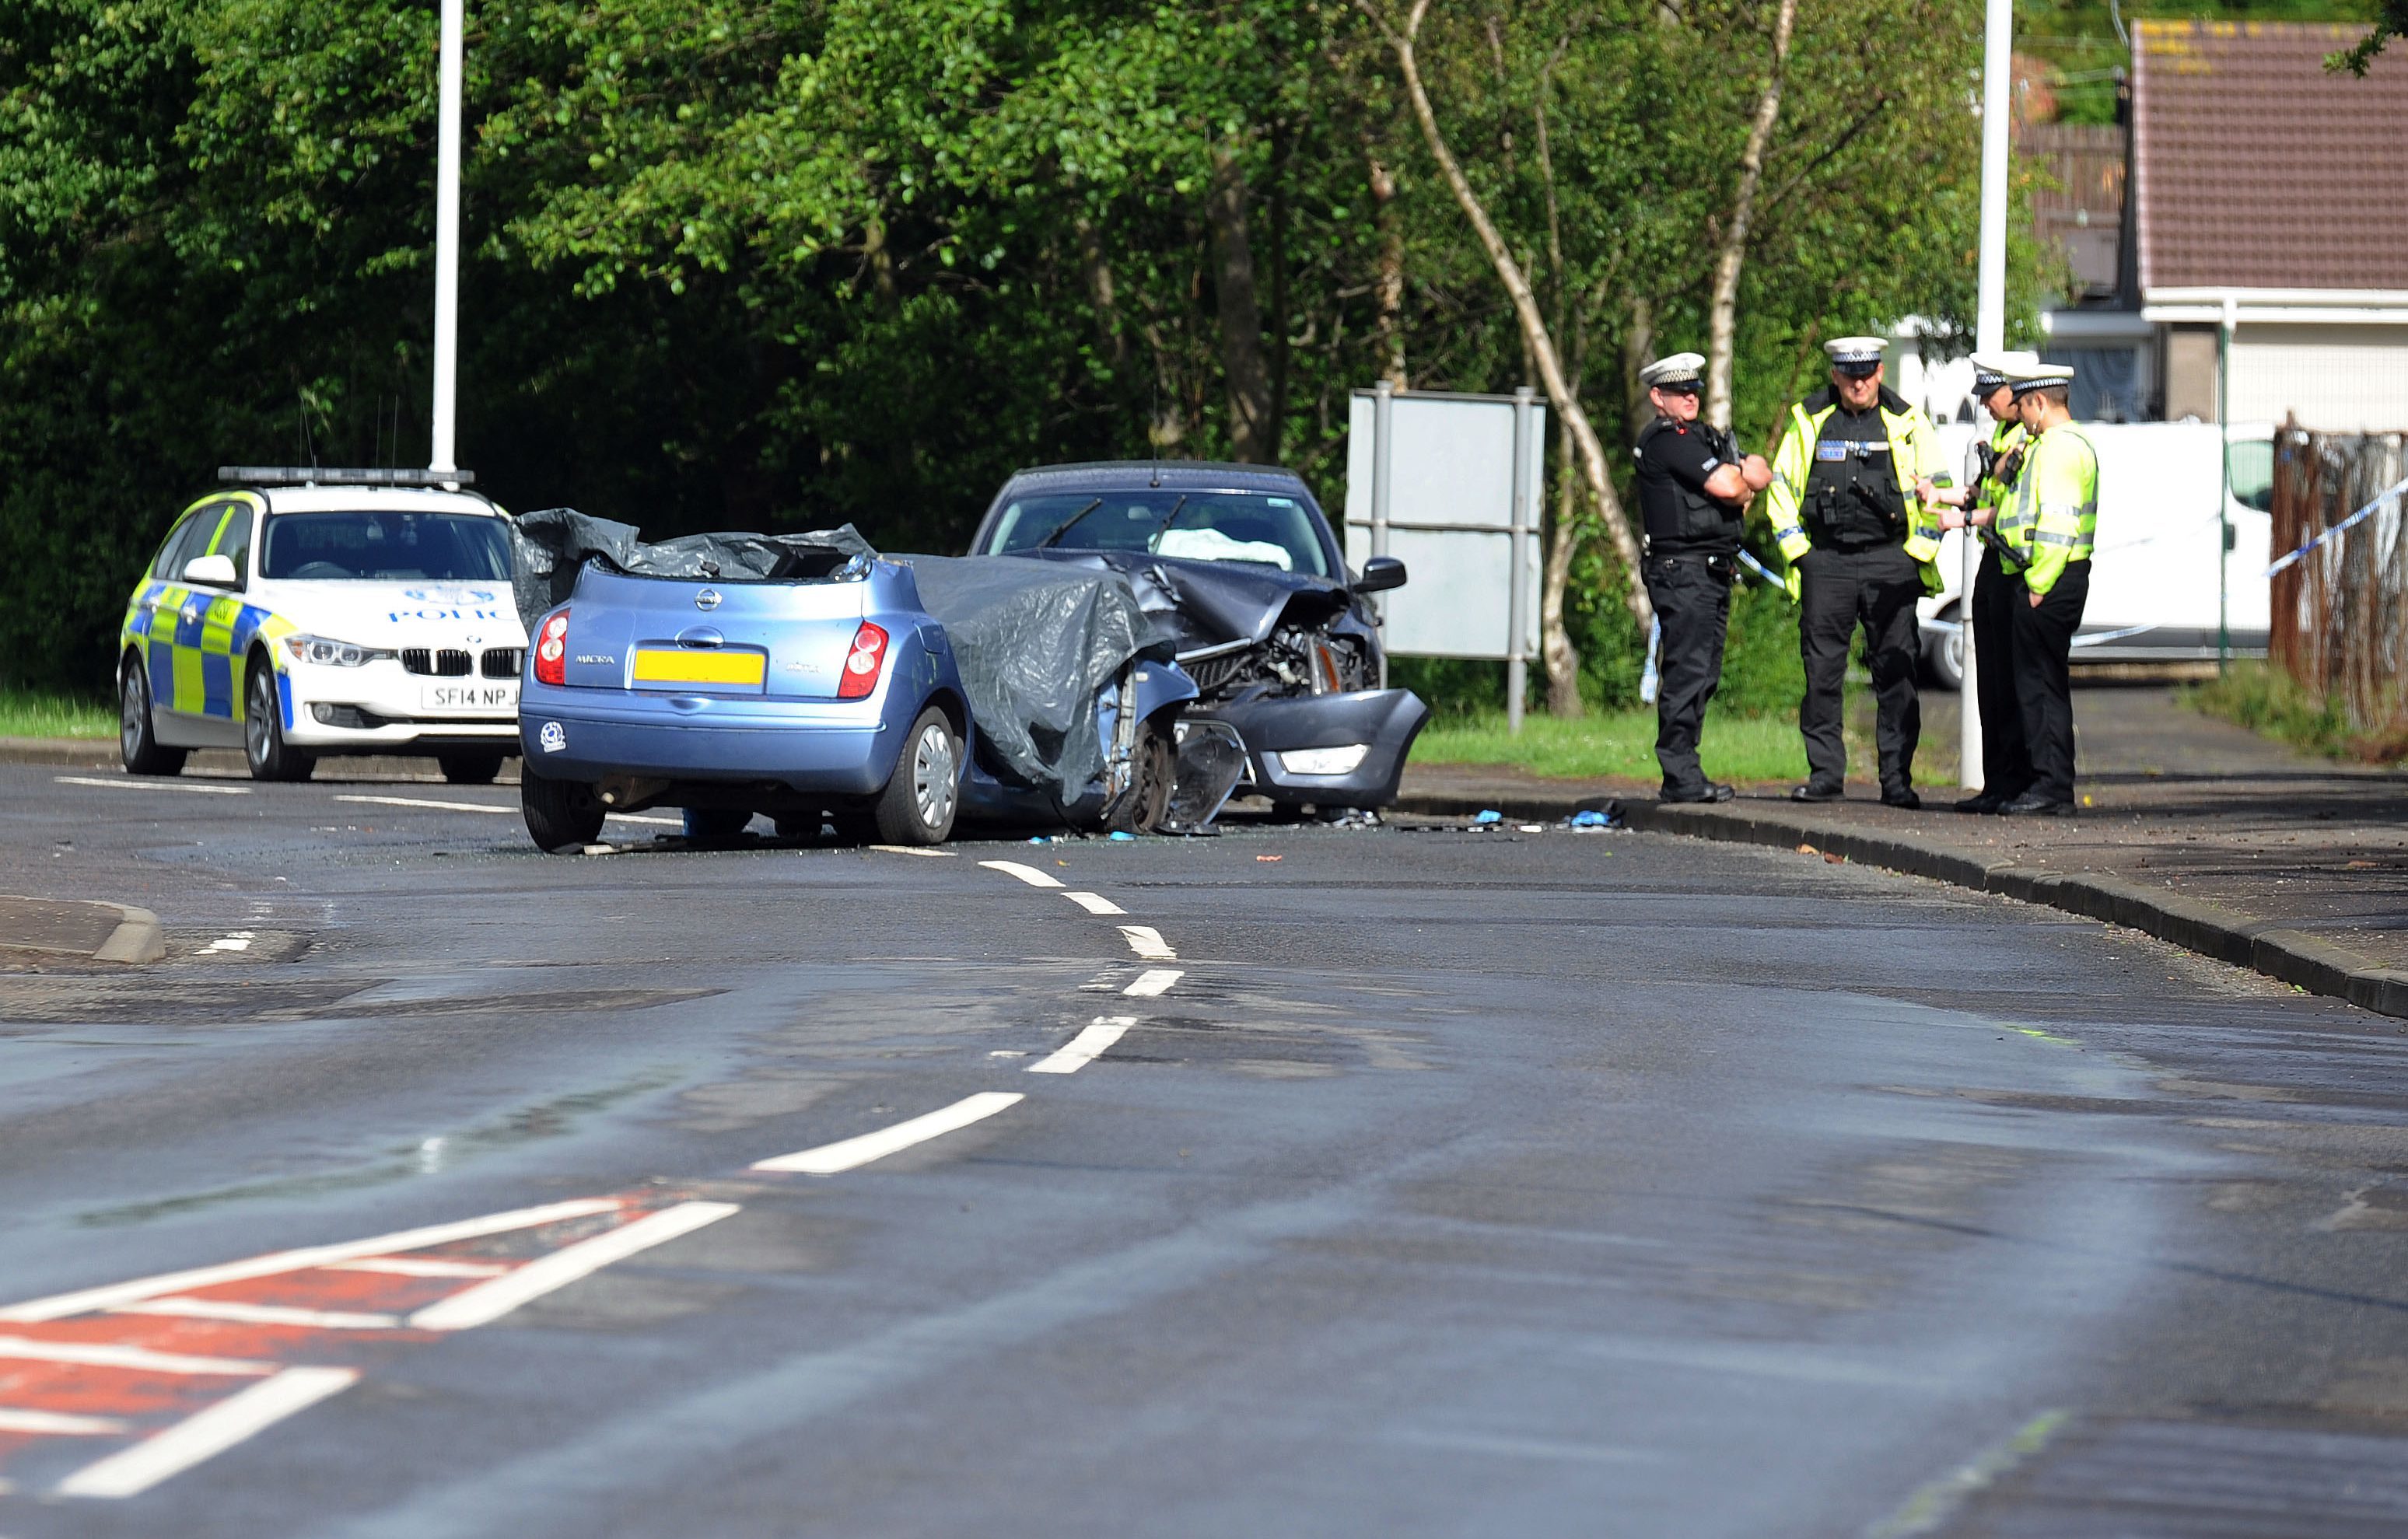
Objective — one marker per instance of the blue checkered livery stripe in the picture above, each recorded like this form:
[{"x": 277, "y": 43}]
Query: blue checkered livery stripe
[{"x": 198, "y": 646}]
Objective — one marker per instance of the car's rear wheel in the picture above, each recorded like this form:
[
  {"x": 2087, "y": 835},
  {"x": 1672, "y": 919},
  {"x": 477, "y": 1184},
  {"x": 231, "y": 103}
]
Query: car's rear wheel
[
  {"x": 1154, "y": 773},
  {"x": 475, "y": 768},
  {"x": 560, "y": 814},
  {"x": 263, "y": 730},
  {"x": 715, "y": 828},
  {"x": 918, "y": 804},
  {"x": 136, "y": 745}
]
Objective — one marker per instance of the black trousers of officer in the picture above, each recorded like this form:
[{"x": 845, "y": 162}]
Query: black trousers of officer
[
  {"x": 2043, "y": 641},
  {"x": 1693, "y": 606},
  {"x": 1875, "y": 588},
  {"x": 2006, "y": 758}
]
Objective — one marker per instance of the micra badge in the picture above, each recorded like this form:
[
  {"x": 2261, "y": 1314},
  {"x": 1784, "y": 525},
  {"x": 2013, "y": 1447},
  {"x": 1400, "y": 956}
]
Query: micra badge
[{"x": 707, "y": 599}]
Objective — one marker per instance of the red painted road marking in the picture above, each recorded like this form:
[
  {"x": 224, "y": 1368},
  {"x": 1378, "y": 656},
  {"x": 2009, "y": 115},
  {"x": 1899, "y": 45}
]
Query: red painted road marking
[{"x": 178, "y": 1368}]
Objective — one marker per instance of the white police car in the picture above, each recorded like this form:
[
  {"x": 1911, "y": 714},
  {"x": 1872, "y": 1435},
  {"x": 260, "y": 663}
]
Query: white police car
[{"x": 306, "y": 612}]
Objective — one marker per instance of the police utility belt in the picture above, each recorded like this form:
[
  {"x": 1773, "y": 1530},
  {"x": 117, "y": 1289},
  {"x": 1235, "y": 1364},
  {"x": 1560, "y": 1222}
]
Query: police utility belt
[{"x": 1721, "y": 565}]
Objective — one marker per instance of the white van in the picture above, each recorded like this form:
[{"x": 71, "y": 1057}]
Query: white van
[{"x": 2171, "y": 569}]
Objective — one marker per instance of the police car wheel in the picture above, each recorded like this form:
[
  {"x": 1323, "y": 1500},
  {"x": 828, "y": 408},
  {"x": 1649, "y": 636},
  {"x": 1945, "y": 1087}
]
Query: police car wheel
[
  {"x": 136, "y": 744},
  {"x": 560, "y": 814},
  {"x": 471, "y": 769},
  {"x": 716, "y": 827},
  {"x": 263, "y": 731}
]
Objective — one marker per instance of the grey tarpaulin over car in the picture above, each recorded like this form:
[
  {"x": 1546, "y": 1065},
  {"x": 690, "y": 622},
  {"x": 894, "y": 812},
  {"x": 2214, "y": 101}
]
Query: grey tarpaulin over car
[
  {"x": 1035, "y": 641},
  {"x": 554, "y": 543}
]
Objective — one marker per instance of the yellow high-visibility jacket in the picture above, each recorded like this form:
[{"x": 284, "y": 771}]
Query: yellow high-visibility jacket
[
  {"x": 2056, "y": 505},
  {"x": 1913, "y": 453}
]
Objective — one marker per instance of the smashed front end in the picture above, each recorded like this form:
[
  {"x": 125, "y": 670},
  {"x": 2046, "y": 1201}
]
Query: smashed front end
[{"x": 1291, "y": 664}]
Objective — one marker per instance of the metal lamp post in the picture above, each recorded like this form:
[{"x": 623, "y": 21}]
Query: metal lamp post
[
  {"x": 447, "y": 238},
  {"x": 1990, "y": 333}
]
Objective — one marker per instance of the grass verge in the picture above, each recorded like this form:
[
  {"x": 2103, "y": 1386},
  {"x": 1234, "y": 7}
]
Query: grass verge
[
  {"x": 1616, "y": 743},
  {"x": 26, "y": 714},
  {"x": 2261, "y": 697}
]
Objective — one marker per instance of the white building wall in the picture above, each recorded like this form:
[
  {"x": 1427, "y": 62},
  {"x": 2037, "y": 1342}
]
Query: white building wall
[{"x": 2336, "y": 379}]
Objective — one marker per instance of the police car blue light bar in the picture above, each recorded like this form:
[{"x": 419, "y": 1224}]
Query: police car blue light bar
[{"x": 325, "y": 476}]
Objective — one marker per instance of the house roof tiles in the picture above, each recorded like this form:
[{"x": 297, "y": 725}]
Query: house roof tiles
[{"x": 2255, "y": 168}]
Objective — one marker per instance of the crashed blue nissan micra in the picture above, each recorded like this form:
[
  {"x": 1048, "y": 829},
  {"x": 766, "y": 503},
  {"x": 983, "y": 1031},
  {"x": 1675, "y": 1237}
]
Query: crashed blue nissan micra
[{"x": 808, "y": 684}]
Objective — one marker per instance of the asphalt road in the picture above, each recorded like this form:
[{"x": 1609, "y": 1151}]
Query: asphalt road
[{"x": 1458, "y": 1183}]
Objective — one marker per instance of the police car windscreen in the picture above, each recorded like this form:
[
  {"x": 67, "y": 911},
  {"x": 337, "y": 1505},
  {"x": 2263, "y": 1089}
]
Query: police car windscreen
[
  {"x": 386, "y": 546},
  {"x": 1245, "y": 526}
]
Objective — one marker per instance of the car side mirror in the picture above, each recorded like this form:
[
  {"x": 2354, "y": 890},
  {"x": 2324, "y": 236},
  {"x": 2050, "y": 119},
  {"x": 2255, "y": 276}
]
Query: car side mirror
[
  {"x": 1380, "y": 574},
  {"x": 212, "y": 571}
]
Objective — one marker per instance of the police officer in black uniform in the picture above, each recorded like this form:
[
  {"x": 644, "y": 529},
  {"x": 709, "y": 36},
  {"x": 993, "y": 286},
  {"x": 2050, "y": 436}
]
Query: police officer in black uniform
[{"x": 1692, "y": 489}]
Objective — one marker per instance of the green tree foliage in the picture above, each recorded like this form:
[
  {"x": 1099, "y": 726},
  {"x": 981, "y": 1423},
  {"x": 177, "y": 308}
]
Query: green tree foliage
[{"x": 782, "y": 262}]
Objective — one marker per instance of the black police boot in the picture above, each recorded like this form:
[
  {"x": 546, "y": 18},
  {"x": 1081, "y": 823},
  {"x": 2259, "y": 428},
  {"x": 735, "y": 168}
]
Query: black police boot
[
  {"x": 2031, "y": 804},
  {"x": 1712, "y": 791},
  {"x": 1987, "y": 801},
  {"x": 1810, "y": 791},
  {"x": 1901, "y": 796}
]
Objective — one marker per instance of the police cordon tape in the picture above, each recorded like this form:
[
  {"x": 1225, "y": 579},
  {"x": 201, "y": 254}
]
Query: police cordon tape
[{"x": 2390, "y": 493}]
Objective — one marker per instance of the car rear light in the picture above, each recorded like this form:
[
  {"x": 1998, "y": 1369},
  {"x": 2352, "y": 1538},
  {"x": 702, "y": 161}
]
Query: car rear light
[
  {"x": 861, "y": 667},
  {"x": 551, "y": 650}
]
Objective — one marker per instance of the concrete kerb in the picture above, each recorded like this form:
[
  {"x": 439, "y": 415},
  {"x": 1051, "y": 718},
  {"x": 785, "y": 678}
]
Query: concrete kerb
[
  {"x": 2227, "y": 935},
  {"x": 76, "y": 927}
]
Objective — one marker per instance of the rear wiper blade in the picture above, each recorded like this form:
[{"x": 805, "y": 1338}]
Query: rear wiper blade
[{"x": 1064, "y": 527}]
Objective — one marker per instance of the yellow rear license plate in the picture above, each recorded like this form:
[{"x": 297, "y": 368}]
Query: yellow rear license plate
[{"x": 660, "y": 666}]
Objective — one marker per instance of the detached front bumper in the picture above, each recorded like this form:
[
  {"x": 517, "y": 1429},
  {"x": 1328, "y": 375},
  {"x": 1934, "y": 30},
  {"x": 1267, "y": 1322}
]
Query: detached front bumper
[
  {"x": 1301, "y": 749},
  {"x": 827, "y": 748}
]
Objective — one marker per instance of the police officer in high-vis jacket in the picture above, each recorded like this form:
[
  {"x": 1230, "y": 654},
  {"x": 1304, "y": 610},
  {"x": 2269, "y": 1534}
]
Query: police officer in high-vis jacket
[
  {"x": 2006, "y": 761},
  {"x": 1861, "y": 540},
  {"x": 1692, "y": 489},
  {"x": 2051, "y": 522}
]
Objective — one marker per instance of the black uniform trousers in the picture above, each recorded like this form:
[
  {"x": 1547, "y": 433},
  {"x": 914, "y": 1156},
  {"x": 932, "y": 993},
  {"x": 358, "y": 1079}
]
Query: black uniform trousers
[
  {"x": 2006, "y": 758},
  {"x": 1840, "y": 590},
  {"x": 2043, "y": 641},
  {"x": 1693, "y": 606}
]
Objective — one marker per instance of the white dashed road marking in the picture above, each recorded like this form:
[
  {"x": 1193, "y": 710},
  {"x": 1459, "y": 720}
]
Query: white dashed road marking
[
  {"x": 1029, "y": 874},
  {"x": 206, "y": 1434},
  {"x": 490, "y": 1301},
  {"x": 852, "y": 1153},
  {"x": 1147, "y": 942},
  {"x": 1153, "y": 981},
  {"x": 152, "y": 785},
  {"x": 414, "y": 802},
  {"x": 116, "y": 1295},
  {"x": 1086, "y": 1046},
  {"x": 1095, "y": 905},
  {"x": 913, "y": 850}
]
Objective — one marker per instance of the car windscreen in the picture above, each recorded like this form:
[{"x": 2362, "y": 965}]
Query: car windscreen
[
  {"x": 1244, "y": 526},
  {"x": 387, "y": 545}
]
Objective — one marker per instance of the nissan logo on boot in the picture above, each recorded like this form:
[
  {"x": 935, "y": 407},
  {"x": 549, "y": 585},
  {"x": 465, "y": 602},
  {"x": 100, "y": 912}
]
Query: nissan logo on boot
[{"x": 707, "y": 599}]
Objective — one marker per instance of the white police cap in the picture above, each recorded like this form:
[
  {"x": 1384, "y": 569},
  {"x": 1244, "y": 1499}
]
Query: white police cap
[
  {"x": 1993, "y": 369},
  {"x": 1682, "y": 368},
  {"x": 2038, "y": 376},
  {"x": 1856, "y": 354}
]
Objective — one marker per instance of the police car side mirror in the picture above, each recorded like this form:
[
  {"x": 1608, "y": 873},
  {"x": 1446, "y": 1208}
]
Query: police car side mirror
[
  {"x": 1380, "y": 574},
  {"x": 212, "y": 571}
]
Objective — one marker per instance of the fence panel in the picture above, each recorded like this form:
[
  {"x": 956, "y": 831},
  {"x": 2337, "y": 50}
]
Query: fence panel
[{"x": 2341, "y": 612}]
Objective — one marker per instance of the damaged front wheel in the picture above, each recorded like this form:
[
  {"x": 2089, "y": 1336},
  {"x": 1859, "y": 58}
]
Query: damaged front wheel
[{"x": 1154, "y": 773}]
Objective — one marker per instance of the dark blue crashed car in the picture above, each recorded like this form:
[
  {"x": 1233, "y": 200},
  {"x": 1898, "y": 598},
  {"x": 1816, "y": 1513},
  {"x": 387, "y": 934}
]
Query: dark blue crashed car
[
  {"x": 809, "y": 678},
  {"x": 1237, "y": 564}
]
